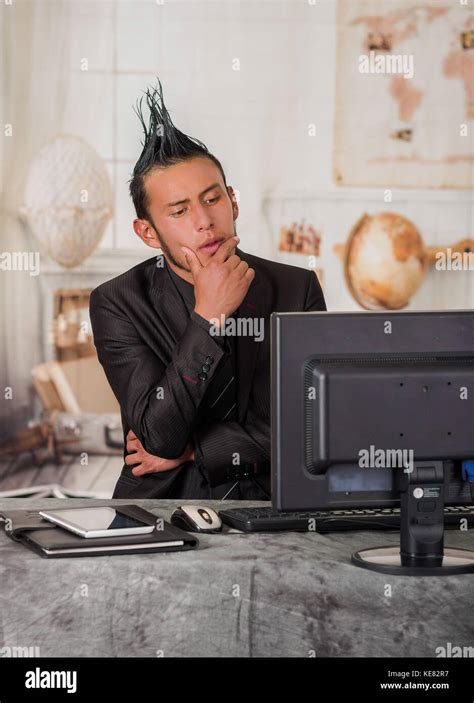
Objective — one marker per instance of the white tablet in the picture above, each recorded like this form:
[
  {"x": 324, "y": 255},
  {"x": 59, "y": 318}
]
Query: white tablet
[{"x": 96, "y": 522}]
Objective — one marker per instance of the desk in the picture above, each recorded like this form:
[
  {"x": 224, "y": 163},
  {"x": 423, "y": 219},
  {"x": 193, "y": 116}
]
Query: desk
[{"x": 239, "y": 595}]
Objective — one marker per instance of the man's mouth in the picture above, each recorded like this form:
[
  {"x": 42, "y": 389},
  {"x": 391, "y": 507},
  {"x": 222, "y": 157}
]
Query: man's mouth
[{"x": 212, "y": 246}]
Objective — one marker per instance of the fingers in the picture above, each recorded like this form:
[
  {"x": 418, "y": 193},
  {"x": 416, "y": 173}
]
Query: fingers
[
  {"x": 132, "y": 459},
  {"x": 250, "y": 275},
  {"x": 131, "y": 435},
  {"x": 242, "y": 268},
  {"x": 225, "y": 250},
  {"x": 146, "y": 463},
  {"x": 142, "y": 470},
  {"x": 134, "y": 446},
  {"x": 156, "y": 466},
  {"x": 232, "y": 262},
  {"x": 235, "y": 263},
  {"x": 192, "y": 260}
]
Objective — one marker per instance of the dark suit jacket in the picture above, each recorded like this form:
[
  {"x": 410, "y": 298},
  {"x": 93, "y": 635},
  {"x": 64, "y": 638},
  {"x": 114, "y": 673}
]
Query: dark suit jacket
[{"x": 153, "y": 351}]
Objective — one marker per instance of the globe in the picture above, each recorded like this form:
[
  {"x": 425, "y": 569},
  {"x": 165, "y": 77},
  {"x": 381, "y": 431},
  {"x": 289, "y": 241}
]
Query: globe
[{"x": 385, "y": 261}]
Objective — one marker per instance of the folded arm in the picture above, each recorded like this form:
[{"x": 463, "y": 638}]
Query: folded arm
[{"x": 159, "y": 401}]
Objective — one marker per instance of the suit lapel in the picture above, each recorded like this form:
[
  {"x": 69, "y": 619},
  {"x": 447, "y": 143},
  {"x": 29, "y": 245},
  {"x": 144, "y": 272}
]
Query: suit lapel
[
  {"x": 174, "y": 316},
  {"x": 254, "y": 305},
  {"x": 169, "y": 305}
]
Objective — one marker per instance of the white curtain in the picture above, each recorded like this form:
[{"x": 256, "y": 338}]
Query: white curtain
[{"x": 35, "y": 68}]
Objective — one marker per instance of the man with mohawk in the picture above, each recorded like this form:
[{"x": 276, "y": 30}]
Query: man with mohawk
[{"x": 193, "y": 388}]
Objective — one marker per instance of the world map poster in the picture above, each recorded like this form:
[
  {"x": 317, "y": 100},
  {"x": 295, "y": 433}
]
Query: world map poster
[{"x": 404, "y": 94}]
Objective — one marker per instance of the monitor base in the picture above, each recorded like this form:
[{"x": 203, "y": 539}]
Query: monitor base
[{"x": 386, "y": 560}]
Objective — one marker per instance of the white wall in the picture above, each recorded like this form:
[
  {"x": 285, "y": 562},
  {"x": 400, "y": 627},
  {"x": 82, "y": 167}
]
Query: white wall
[{"x": 254, "y": 119}]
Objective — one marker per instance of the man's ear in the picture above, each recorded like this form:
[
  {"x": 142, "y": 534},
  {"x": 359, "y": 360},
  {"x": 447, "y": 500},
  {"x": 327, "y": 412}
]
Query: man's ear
[
  {"x": 233, "y": 198},
  {"x": 147, "y": 234}
]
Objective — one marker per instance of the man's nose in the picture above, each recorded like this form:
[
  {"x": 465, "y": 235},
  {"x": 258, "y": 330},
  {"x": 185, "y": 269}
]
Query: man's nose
[{"x": 201, "y": 218}]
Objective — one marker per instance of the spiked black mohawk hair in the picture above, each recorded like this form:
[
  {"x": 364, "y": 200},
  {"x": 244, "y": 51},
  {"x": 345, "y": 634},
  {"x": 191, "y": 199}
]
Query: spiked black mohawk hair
[{"x": 163, "y": 145}]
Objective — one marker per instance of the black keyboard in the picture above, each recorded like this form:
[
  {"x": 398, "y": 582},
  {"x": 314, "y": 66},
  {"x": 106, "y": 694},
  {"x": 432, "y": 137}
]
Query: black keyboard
[{"x": 269, "y": 520}]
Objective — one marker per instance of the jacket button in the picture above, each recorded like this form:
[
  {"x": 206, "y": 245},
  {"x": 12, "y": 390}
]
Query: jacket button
[
  {"x": 202, "y": 376},
  {"x": 206, "y": 368},
  {"x": 209, "y": 360}
]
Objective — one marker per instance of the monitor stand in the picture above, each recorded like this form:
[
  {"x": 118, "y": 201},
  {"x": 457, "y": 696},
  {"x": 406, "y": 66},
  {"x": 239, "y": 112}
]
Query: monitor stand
[{"x": 421, "y": 551}]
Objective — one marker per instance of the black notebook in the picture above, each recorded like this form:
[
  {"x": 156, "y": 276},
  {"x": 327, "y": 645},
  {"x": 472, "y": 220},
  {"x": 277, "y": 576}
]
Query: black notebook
[{"x": 48, "y": 540}]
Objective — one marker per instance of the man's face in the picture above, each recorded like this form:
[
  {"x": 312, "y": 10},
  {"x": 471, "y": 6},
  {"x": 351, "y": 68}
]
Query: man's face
[{"x": 188, "y": 205}]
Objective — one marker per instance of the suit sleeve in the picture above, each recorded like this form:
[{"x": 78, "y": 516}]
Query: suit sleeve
[
  {"x": 218, "y": 444},
  {"x": 226, "y": 450},
  {"x": 314, "y": 295},
  {"x": 160, "y": 401}
]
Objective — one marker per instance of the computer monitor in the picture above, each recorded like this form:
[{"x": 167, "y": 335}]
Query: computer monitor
[{"x": 376, "y": 409}]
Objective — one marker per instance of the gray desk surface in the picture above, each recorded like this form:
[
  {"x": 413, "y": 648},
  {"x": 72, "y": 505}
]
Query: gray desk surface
[{"x": 274, "y": 594}]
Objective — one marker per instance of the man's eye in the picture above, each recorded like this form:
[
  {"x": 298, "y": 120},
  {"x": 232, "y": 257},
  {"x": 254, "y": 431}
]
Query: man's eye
[
  {"x": 213, "y": 200},
  {"x": 177, "y": 213}
]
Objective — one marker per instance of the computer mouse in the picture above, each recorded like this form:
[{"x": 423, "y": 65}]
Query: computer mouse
[{"x": 196, "y": 518}]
